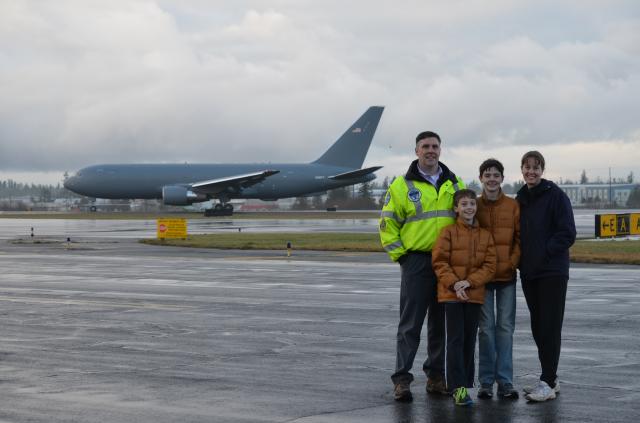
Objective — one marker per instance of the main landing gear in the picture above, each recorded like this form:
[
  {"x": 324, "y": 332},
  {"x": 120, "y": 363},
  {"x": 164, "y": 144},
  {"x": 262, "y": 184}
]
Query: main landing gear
[{"x": 220, "y": 209}]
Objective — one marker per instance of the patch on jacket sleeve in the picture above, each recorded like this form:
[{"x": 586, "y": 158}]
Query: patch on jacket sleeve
[
  {"x": 383, "y": 225},
  {"x": 414, "y": 195}
]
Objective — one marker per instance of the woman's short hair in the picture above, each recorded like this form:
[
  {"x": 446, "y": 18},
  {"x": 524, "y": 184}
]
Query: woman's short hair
[{"x": 535, "y": 155}]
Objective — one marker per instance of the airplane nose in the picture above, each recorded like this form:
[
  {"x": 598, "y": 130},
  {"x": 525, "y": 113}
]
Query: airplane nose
[{"x": 70, "y": 183}]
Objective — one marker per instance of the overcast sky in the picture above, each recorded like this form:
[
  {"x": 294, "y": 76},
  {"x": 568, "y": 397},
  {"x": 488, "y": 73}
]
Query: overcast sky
[{"x": 85, "y": 82}]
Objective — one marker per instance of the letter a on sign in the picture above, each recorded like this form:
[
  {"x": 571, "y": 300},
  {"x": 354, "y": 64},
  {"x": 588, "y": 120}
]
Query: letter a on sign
[
  {"x": 623, "y": 224},
  {"x": 634, "y": 227}
]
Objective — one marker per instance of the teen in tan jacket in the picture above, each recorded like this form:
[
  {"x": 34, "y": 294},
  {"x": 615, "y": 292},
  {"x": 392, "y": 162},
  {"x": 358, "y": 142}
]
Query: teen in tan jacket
[
  {"x": 464, "y": 260},
  {"x": 501, "y": 216}
]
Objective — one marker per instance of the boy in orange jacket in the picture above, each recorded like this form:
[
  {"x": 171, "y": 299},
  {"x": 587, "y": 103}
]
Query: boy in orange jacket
[
  {"x": 501, "y": 216},
  {"x": 464, "y": 260}
]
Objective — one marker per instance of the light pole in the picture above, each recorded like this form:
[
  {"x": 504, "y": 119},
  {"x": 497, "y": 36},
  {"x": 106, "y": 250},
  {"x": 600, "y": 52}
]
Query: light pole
[{"x": 610, "y": 202}]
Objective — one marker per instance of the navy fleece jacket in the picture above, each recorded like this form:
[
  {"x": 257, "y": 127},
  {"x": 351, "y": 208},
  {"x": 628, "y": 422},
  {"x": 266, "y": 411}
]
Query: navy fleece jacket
[{"x": 547, "y": 230}]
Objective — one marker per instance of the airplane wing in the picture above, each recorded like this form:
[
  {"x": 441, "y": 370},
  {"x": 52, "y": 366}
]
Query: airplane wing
[
  {"x": 355, "y": 173},
  {"x": 214, "y": 186}
]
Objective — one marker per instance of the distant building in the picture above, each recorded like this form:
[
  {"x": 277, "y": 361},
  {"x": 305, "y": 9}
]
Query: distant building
[
  {"x": 21, "y": 203},
  {"x": 596, "y": 195}
]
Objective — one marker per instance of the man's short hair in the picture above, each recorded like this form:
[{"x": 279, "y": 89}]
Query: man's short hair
[
  {"x": 489, "y": 163},
  {"x": 535, "y": 155},
  {"x": 463, "y": 193},
  {"x": 427, "y": 134}
]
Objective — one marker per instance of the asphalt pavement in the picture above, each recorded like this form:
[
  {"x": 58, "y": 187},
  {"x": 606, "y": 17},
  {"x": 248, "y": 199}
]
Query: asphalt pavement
[
  {"x": 118, "y": 229},
  {"x": 115, "y": 331}
]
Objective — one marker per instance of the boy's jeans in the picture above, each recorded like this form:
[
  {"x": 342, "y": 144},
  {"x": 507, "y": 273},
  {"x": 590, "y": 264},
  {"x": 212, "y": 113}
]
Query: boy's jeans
[{"x": 496, "y": 334}]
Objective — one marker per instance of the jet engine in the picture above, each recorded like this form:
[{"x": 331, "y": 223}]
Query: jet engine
[{"x": 176, "y": 195}]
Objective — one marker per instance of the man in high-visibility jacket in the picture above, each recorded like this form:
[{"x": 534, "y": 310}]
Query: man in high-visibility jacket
[{"x": 416, "y": 208}]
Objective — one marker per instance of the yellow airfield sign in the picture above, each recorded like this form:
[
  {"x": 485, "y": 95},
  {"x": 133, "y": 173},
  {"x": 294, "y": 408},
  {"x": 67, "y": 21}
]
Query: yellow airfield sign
[
  {"x": 171, "y": 228},
  {"x": 612, "y": 225}
]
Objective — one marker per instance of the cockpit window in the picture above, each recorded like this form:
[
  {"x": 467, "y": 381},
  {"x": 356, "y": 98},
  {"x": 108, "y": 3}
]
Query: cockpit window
[{"x": 105, "y": 171}]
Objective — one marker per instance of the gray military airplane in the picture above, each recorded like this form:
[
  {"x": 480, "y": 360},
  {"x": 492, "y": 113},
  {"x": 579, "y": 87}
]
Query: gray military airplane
[{"x": 184, "y": 184}]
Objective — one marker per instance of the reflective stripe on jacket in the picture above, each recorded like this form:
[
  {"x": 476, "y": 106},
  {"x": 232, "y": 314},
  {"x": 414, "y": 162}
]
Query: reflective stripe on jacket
[{"x": 415, "y": 212}]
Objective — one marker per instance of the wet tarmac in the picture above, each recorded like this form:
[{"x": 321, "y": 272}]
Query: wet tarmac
[
  {"x": 113, "y": 331},
  {"x": 111, "y": 229},
  {"x": 76, "y": 228}
]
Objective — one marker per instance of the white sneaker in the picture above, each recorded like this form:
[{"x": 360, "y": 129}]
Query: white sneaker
[
  {"x": 542, "y": 392},
  {"x": 530, "y": 389}
]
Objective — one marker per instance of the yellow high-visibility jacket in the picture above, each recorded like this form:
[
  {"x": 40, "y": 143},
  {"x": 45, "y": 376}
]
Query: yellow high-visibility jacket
[{"x": 415, "y": 212}]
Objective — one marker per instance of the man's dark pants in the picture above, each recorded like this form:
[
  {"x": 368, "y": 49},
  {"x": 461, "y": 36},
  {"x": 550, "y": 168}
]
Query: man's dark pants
[
  {"x": 545, "y": 299},
  {"x": 418, "y": 293}
]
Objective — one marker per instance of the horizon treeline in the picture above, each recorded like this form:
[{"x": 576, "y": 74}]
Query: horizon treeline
[{"x": 39, "y": 192}]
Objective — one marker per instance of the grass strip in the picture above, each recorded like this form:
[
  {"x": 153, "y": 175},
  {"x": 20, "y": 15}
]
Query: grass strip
[
  {"x": 322, "y": 241},
  {"x": 605, "y": 252}
]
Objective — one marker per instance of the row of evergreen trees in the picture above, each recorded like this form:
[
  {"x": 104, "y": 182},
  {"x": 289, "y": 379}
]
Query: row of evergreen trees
[
  {"x": 360, "y": 197},
  {"x": 353, "y": 198},
  {"x": 37, "y": 192}
]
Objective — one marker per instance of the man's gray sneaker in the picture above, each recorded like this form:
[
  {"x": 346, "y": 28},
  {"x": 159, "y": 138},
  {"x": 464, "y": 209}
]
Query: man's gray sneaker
[
  {"x": 485, "y": 391},
  {"x": 507, "y": 391}
]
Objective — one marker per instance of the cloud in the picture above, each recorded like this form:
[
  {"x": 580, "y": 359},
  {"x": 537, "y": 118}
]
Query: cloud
[
  {"x": 596, "y": 158},
  {"x": 87, "y": 82},
  {"x": 256, "y": 24}
]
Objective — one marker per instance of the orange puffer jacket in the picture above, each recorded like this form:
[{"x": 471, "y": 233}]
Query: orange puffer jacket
[
  {"x": 502, "y": 219},
  {"x": 462, "y": 252}
]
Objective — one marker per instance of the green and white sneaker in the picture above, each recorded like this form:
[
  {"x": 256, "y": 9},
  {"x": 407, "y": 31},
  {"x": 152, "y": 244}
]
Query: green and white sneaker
[{"x": 461, "y": 397}]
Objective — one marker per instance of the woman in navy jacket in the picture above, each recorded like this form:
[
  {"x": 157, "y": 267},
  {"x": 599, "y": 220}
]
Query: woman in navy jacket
[{"x": 547, "y": 230}]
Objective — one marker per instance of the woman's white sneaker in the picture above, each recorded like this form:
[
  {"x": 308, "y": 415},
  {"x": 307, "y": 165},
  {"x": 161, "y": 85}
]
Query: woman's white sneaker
[
  {"x": 542, "y": 392},
  {"x": 529, "y": 389}
]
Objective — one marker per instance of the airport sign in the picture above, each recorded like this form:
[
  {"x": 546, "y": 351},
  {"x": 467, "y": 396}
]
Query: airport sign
[
  {"x": 171, "y": 228},
  {"x": 619, "y": 224}
]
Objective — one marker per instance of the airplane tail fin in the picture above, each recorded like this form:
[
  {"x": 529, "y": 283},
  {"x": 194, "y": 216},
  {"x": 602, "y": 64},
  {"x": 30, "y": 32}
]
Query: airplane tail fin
[{"x": 352, "y": 147}]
